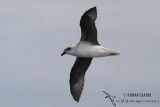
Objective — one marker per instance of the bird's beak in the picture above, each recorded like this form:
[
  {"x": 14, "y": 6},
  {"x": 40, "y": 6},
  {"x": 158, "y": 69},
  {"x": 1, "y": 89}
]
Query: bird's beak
[{"x": 63, "y": 53}]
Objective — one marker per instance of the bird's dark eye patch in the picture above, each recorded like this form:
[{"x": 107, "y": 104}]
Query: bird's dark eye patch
[{"x": 68, "y": 49}]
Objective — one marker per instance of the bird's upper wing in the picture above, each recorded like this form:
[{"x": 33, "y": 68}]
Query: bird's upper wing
[
  {"x": 88, "y": 28},
  {"x": 77, "y": 76}
]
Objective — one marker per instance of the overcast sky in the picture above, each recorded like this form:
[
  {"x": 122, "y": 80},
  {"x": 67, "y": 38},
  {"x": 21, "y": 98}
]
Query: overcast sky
[{"x": 34, "y": 33}]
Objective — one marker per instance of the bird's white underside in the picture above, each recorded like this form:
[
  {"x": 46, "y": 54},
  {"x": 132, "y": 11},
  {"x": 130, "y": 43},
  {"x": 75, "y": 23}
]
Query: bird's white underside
[{"x": 86, "y": 49}]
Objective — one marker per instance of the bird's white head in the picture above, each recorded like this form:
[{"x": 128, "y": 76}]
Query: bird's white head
[{"x": 69, "y": 50}]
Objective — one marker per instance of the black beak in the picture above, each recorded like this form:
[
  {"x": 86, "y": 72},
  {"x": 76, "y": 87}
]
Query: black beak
[{"x": 63, "y": 53}]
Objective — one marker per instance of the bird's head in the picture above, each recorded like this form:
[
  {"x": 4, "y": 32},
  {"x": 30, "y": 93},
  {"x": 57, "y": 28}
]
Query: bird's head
[{"x": 69, "y": 50}]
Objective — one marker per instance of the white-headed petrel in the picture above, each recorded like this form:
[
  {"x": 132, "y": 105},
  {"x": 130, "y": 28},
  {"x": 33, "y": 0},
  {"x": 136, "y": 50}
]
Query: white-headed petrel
[{"x": 85, "y": 50}]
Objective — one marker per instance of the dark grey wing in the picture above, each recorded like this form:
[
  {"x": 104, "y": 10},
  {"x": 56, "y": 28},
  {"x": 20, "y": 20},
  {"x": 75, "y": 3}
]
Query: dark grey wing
[
  {"x": 77, "y": 76},
  {"x": 88, "y": 28}
]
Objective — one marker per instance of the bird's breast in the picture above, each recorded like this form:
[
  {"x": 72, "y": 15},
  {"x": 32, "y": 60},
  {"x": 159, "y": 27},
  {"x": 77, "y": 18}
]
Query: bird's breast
[{"x": 90, "y": 51}]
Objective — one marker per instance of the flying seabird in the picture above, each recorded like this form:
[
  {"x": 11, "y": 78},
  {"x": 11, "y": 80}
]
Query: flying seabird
[{"x": 85, "y": 50}]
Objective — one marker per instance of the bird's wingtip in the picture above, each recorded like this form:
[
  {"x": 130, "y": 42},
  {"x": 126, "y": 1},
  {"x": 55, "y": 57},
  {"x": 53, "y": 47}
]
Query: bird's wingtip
[
  {"x": 76, "y": 99},
  {"x": 94, "y": 7}
]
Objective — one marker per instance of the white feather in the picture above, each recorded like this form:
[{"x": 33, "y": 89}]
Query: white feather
[{"x": 85, "y": 49}]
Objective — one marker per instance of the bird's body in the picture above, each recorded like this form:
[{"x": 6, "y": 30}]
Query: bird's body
[{"x": 87, "y": 49}]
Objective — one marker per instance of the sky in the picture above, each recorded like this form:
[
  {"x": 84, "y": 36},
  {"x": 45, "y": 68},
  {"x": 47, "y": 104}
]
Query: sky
[{"x": 34, "y": 33}]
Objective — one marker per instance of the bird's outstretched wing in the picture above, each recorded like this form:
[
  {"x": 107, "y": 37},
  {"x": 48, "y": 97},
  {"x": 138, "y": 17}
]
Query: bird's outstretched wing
[
  {"x": 88, "y": 28},
  {"x": 77, "y": 76}
]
